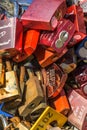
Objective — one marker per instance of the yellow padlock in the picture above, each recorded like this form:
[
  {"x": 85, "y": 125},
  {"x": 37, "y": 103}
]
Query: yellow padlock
[{"x": 47, "y": 117}]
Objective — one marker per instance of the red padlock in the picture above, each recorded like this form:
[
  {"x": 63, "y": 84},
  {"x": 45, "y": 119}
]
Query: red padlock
[
  {"x": 29, "y": 45},
  {"x": 44, "y": 14},
  {"x": 11, "y": 32},
  {"x": 59, "y": 38},
  {"x": 75, "y": 14},
  {"x": 55, "y": 80}
]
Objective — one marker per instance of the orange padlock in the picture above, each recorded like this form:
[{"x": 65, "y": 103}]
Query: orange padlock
[
  {"x": 30, "y": 43},
  {"x": 60, "y": 103},
  {"x": 46, "y": 57}
]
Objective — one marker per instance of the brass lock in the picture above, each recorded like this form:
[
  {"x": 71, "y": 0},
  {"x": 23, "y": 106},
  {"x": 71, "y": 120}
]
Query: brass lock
[
  {"x": 2, "y": 74},
  {"x": 11, "y": 90},
  {"x": 33, "y": 96},
  {"x": 47, "y": 117}
]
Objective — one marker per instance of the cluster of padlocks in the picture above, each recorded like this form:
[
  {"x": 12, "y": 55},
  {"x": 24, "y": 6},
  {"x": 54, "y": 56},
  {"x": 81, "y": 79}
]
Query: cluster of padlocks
[{"x": 43, "y": 64}]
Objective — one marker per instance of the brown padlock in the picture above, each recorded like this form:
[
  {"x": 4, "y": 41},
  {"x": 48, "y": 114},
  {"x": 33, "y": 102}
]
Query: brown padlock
[
  {"x": 33, "y": 95},
  {"x": 2, "y": 73},
  {"x": 11, "y": 90}
]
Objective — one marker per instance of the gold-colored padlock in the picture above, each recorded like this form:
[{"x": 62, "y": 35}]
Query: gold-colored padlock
[
  {"x": 2, "y": 74},
  {"x": 11, "y": 90},
  {"x": 47, "y": 117},
  {"x": 33, "y": 96}
]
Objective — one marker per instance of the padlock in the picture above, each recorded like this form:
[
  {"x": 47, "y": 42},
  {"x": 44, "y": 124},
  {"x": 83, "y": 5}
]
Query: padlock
[
  {"x": 55, "y": 80},
  {"x": 77, "y": 37},
  {"x": 10, "y": 37},
  {"x": 59, "y": 38},
  {"x": 47, "y": 57},
  {"x": 33, "y": 96},
  {"x": 29, "y": 45},
  {"x": 68, "y": 62},
  {"x": 11, "y": 90},
  {"x": 2, "y": 74},
  {"x": 36, "y": 18},
  {"x": 81, "y": 49},
  {"x": 76, "y": 15},
  {"x": 60, "y": 103},
  {"x": 78, "y": 109},
  {"x": 47, "y": 117}
]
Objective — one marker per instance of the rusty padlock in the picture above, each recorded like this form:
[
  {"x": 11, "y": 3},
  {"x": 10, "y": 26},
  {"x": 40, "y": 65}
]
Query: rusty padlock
[
  {"x": 10, "y": 37},
  {"x": 11, "y": 90},
  {"x": 49, "y": 116},
  {"x": 33, "y": 96},
  {"x": 39, "y": 19}
]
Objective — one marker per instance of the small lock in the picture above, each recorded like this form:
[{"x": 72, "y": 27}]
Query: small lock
[
  {"x": 33, "y": 95},
  {"x": 49, "y": 116},
  {"x": 11, "y": 90},
  {"x": 2, "y": 74}
]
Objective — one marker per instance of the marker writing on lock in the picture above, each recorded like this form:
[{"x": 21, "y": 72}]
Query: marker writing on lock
[
  {"x": 5, "y": 43},
  {"x": 44, "y": 120},
  {"x": 2, "y": 34},
  {"x": 6, "y": 26}
]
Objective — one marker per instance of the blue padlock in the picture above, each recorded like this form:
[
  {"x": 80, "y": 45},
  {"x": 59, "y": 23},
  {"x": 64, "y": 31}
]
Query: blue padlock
[
  {"x": 81, "y": 49},
  {"x": 4, "y": 113}
]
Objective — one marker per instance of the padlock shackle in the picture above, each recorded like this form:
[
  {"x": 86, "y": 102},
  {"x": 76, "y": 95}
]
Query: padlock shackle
[{"x": 8, "y": 66}]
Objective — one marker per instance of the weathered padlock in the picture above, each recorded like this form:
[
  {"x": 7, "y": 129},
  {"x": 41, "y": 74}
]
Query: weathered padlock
[
  {"x": 59, "y": 38},
  {"x": 77, "y": 115},
  {"x": 49, "y": 116},
  {"x": 36, "y": 18},
  {"x": 10, "y": 37},
  {"x": 11, "y": 90},
  {"x": 33, "y": 96},
  {"x": 55, "y": 80},
  {"x": 47, "y": 57},
  {"x": 60, "y": 103},
  {"x": 75, "y": 14},
  {"x": 81, "y": 49}
]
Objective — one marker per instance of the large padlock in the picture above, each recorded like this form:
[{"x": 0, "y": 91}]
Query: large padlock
[
  {"x": 75, "y": 14},
  {"x": 48, "y": 117},
  {"x": 60, "y": 103},
  {"x": 55, "y": 80},
  {"x": 36, "y": 18},
  {"x": 59, "y": 38},
  {"x": 81, "y": 49},
  {"x": 11, "y": 90},
  {"x": 47, "y": 57},
  {"x": 10, "y": 37},
  {"x": 33, "y": 96},
  {"x": 78, "y": 113}
]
